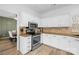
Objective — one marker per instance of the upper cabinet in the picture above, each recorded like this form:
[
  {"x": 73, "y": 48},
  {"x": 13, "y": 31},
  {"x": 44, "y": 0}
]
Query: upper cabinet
[
  {"x": 59, "y": 21},
  {"x": 75, "y": 24}
]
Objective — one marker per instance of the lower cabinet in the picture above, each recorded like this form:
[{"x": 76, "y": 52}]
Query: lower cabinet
[
  {"x": 74, "y": 45},
  {"x": 50, "y": 39},
  {"x": 25, "y": 44},
  {"x": 69, "y": 44}
]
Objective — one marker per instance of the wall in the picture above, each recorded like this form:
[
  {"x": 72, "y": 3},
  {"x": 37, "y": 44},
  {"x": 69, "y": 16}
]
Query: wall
[
  {"x": 59, "y": 31},
  {"x": 7, "y": 24},
  {"x": 18, "y": 9}
]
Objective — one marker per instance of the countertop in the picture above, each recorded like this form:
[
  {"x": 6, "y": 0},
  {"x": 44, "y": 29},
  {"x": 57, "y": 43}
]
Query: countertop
[
  {"x": 24, "y": 35},
  {"x": 64, "y": 34}
]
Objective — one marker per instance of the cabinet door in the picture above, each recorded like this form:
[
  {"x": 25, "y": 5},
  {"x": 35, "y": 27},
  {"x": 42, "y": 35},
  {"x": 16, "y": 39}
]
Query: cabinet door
[
  {"x": 50, "y": 39},
  {"x": 25, "y": 45},
  {"x": 45, "y": 39},
  {"x": 26, "y": 48},
  {"x": 49, "y": 22},
  {"x": 27, "y": 41},
  {"x": 64, "y": 43},
  {"x": 74, "y": 45},
  {"x": 54, "y": 41},
  {"x": 58, "y": 21}
]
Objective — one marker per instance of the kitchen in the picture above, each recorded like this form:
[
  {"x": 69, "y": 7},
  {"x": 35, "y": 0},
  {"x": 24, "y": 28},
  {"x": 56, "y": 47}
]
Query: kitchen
[
  {"x": 46, "y": 29},
  {"x": 59, "y": 31}
]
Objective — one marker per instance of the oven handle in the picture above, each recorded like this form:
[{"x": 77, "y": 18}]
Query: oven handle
[
  {"x": 36, "y": 44},
  {"x": 36, "y": 35}
]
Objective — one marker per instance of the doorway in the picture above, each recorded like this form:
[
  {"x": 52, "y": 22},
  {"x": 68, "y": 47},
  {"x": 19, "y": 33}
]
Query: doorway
[{"x": 7, "y": 24}]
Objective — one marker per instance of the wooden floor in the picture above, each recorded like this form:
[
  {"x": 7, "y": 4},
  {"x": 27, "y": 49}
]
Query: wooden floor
[
  {"x": 47, "y": 50},
  {"x": 9, "y": 48}
]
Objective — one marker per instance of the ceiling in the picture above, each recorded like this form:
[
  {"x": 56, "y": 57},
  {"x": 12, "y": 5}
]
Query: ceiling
[
  {"x": 43, "y": 8},
  {"x": 38, "y": 8}
]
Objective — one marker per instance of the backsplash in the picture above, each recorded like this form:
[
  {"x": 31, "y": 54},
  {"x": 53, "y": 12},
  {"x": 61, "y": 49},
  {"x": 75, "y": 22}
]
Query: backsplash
[
  {"x": 61, "y": 31},
  {"x": 58, "y": 29}
]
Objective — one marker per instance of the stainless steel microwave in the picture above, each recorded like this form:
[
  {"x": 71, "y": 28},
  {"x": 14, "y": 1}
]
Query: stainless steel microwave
[{"x": 32, "y": 25}]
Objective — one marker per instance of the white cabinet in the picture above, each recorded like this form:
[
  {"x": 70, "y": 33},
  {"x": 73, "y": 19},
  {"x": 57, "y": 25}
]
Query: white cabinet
[
  {"x": 49, "y": 39},
  {"x": 46, "y": 38},
  {"x": 66, "y": 43},
  {"x": 64, "y": 21},
  {"x": 58, "y": 21},
  {"x": 43, "y": 23},
  {"x": 75, "y": 23},
  {"x": 48, "y": 22},
  {"x": 74, "y": 45},
  {"x": 25, "y": 44},
  {"x": 69, "y": 44}
]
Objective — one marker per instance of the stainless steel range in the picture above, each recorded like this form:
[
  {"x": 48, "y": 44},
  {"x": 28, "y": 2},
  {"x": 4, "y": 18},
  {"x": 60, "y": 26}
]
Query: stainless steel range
[
  {"x": 34, "y": 31},
  {"x": 36, "y": 42}
]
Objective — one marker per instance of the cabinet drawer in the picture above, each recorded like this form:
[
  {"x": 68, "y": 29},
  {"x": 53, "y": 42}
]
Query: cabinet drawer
[
  {"x": 25, "y": 50},
  {"x": 26, "y": 44},
  {"x": 27, "y": 41}
]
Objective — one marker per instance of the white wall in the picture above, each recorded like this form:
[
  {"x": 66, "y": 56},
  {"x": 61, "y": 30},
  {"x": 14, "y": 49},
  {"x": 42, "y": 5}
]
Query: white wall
[{"x": 15, "y": 8}]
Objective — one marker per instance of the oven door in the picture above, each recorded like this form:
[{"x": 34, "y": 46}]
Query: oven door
[{"x": 35, "y": 41}]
